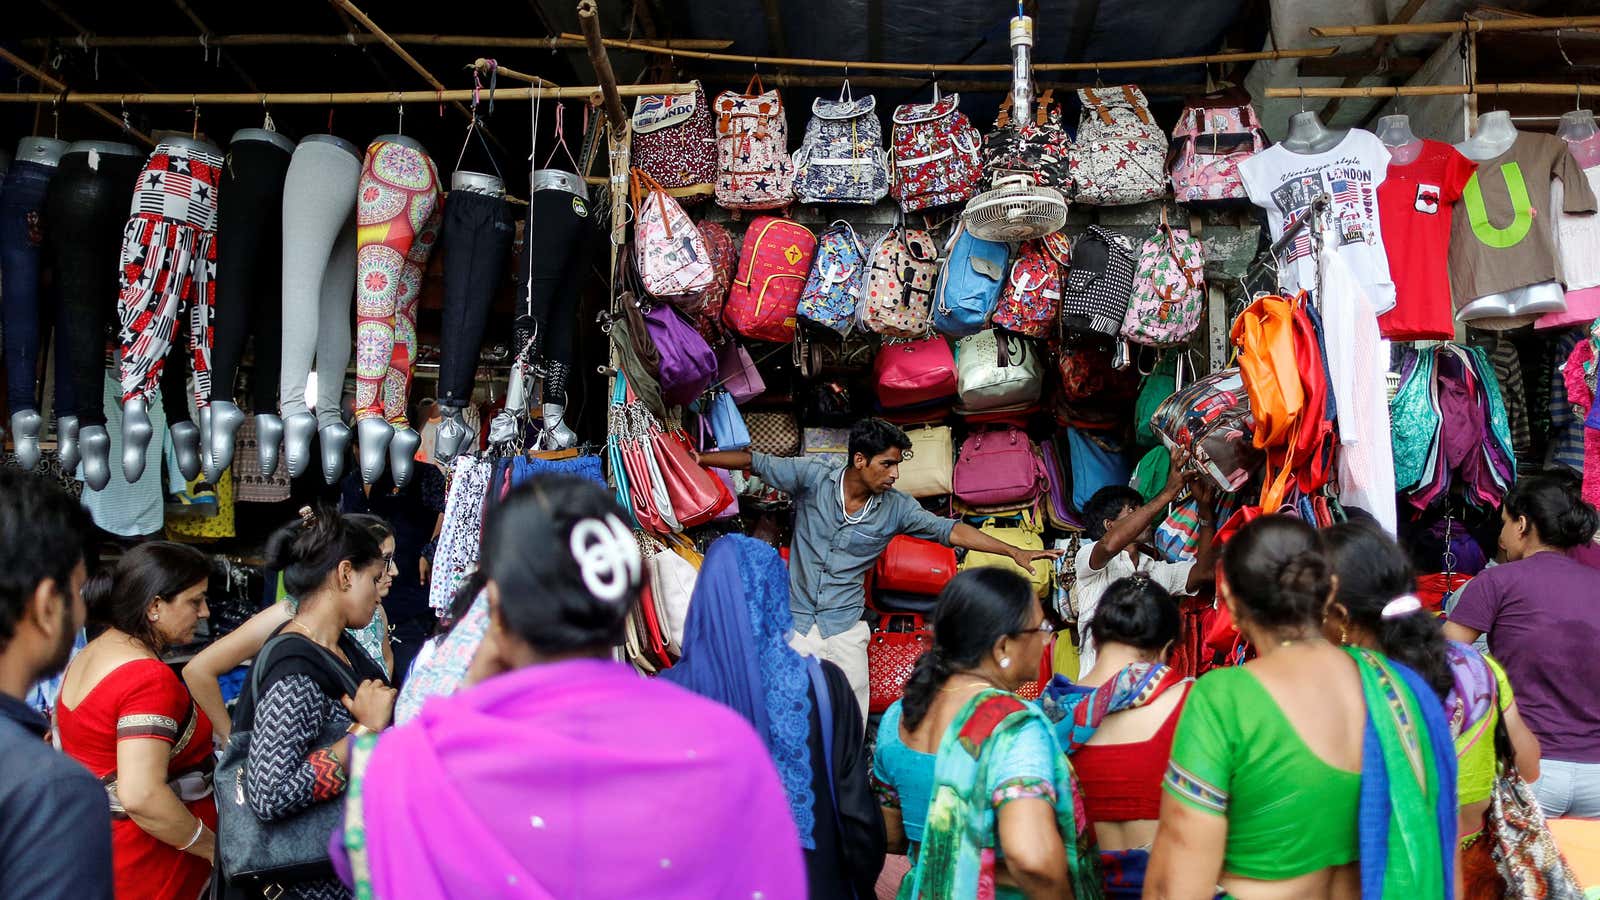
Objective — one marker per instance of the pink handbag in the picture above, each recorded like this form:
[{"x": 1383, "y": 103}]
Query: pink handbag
[
  {"x": 999, "y": 468},
  {"x": 915, "y": 372},
  {"x": 737, "y": 373},
  {"x": 697, "y": 495}
]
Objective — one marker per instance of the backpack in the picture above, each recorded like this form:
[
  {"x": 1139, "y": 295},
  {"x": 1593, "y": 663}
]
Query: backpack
[
  {"x": 936, "y": 160},
  {"x": 1169, "y": 288},
  {"x": 1213, "y": 135},
  {"x": 1087, "y": 373},
  {"x": 838, "y": 272},
  {"x": 969, "y": 283},
  {"x": 674, "y": 140},
  {"x": 1095, "y": 296},
  {"x": 1041, "y": 148},
  {"x": 841, "y": 159},
  {"x": 669, "y": 254},
  {"x": 899, "y": 290},
  {"x": 772, "y": 273},
  {"x": 1121, "y": 153},
  {"x": 1032, "y": 295},
  {"x": 754, "y": 170},
  {"x": 704, "y": 307}
]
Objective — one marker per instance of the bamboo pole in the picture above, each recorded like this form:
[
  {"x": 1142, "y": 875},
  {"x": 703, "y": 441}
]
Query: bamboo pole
[
  {"x": 590, "y": 93},
  {"x": 1442, "y": 90},
  {"x": 46, "y": 81},
  {"x": 778, "y": 61},
  {"x": 589, "y": 19},
  {"x": 1457, "y": 27},
  {"x": 87, "y": 42}
]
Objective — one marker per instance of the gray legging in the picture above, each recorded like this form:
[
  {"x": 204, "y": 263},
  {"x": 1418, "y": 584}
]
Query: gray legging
[{"x": 319, "y": 275}]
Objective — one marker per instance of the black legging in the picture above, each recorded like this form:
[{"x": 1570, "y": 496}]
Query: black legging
[
  {"x": 476, "y": 240},
  {"x": 560, "y": 241},
  {"x": 249, "y": 270},
  {"x": 85, "y": 211}
]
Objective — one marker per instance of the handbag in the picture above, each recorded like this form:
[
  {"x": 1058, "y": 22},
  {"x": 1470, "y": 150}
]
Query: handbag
[
  {"x": 708, "y": 444},
  {"x": 1524, "y": 851},
  {"x": 696, "y": 496},
  {"x": 737, "y": 373},
  {"x": 251, "y": 852},
  {"x": 915, "y": 372},
  {"x": 727, "y": 423},
  {"x": 1024, "y": 532},
  {"x": 898, "y": 641},
  {"x": 1000, "y": 467},
  {"x": 672, "y": 578},
  {"x": 687, "y": 365},
  {"x": 775, "y": 434},
  {"x": 929, "y": 468},
  {"x": 914, "y": 566}
]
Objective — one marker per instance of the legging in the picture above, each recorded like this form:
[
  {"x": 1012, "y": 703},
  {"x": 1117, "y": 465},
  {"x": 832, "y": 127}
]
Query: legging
[
  {"x": 85, "y": 213},
  {"x": 478, "y": 230},
  {"x": 22, "y": 261},
  {"x": 399, "y": 200},
  {"x": 560, "y": 237},
  {"x": 319, "y": 269},
  {"x": 169, "y": 260},
  {"x": 250, "y": 269}
]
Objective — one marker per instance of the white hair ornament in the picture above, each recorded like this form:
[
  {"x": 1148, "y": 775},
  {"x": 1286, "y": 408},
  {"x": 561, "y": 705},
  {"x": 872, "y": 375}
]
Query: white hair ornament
[{"x": 607, "y": 557}]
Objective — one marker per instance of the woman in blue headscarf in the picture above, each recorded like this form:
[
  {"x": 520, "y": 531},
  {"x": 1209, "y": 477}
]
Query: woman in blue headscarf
[{"x": 736, "y": 651}]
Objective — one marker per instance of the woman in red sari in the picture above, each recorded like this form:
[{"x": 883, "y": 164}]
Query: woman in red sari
[{"x": 125, "y": 715}]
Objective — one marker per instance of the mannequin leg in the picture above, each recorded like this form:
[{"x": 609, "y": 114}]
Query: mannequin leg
[
  {"x": 86, "y": 215},
  {"x": 333, "y": 349},
  {"x": 21, "y": 201},
  {"x": 561, "y": 246},
  {"x": 319, "y": 195},
  {"x": 397, "y": 381},
  {"x": 478, "y": 233}
]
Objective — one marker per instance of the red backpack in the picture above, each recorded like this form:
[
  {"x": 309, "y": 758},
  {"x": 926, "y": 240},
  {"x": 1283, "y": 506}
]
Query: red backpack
[
  {"x": 1031, "y": 298},
  {"x": 772, "y": 273}
]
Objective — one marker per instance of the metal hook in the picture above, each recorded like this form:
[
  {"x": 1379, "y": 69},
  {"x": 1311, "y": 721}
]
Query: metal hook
[
  {"x": 400, "y": 118},
  {"x": 1302, "y": 99},
  {"x": 194, "y": 129}
]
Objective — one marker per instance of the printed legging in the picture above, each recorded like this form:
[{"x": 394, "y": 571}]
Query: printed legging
[
  {"x": 169, "y": 260},
  {"x": 397, "y": 218}
]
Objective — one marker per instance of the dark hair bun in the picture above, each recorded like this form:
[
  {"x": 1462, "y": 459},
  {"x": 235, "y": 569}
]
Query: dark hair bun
[
  {"x": 1138, "y": 612},
  {"x": 1553, "y": 502},
  {"x": 306, "y": 550},
  {"x": 1275, "y": 568}
]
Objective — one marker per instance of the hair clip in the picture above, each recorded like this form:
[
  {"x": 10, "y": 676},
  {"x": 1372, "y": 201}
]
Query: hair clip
[
  {"x": 607, "y": 556},
  {"x": 1403, "y": 605},
  {"x": 308, "y": 516}
]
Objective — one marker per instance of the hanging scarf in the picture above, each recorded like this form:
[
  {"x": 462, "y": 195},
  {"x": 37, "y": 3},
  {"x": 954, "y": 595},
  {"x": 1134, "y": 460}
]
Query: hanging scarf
[
  {"x": 736, "y": 653},
  {"x": 957, "y": 859},
  {"x": 1407, "y": 810},
  {"x": 1077, "y": 711}
]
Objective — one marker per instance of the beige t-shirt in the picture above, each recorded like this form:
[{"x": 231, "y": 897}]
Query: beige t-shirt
[{"x": 1502, "y": 237}]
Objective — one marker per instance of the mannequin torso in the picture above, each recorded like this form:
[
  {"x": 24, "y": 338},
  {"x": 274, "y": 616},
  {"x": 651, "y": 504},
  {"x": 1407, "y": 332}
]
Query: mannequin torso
[
  {"x": 1578, "y": 129},
  {"x": 1493, "y": 137},
  {"x": 261, "y": 134},
  {"x": 193, "y": 145},
  {"x": 402, "y": 140},
  {"x": 1404, "y": 146},
  {"x": 42, "y": 150},
  {"x": 334, "y": 140},
  {"x": 108, "y": 148},
  {"x": 1307, "y": 135}
]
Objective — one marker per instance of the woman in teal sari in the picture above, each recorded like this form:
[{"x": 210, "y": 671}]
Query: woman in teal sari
[
  {"x": 971, "y": 778},
  {"x": 1313, "y": 771}
]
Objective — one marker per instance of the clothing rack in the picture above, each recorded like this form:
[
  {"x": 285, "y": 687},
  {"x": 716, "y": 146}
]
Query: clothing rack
[
  {"x": 1458, "y": 26},
  {"x": 335, "y": 98},
  {"x": 1442, "y": 90}
]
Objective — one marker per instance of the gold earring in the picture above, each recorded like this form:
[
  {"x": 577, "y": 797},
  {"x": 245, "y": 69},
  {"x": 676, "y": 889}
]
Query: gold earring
[{"x": 1344, "y": 635}]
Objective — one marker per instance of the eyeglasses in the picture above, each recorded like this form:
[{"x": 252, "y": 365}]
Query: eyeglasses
[
  {"x": 1044, "y": 628},
  {"x": 388, "y": 559}
]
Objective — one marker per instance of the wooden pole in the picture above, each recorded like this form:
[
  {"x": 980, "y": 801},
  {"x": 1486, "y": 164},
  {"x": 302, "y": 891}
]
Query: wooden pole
[
  {"x": 482, "y": 65},
  {"x": 589, "y": 92},
  {"x": 352, "y": 40},
  {"x": 1442, "y": 90},
  {"x": 46, "y": 81},
  {"x": 1110, "y": 65},
  {"x": 1457, "y": 26},
  {"x": 589, "y": 19}
]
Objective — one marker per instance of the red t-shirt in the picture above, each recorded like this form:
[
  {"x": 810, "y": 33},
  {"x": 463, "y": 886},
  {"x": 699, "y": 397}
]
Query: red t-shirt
[{"x": 1414, "y": 205}]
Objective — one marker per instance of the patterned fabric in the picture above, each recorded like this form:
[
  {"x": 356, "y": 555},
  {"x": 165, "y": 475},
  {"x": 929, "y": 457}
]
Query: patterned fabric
[
  {"x": 1211, "y": 140},
  {"x": 1039, "y": 149},
  {"x": 1524, "y": 851},
  {"x": 1031, "y": 299},
  {"x": 1078, "y": 712},
  {"x": 898, "y": 300},
  {"x": 841, "y": 159},
  {"x": 443, "y": 671},
  {"x": 936, "y": 160},
  {"x": 249, "y": 485},
  {"x": 754, "y": 170},
  {"x": 168, "y": 269},
  {"x": 673, "y": 138},
  {"x": 1169, "y": 289},
  {"x": 396, "y": 223},
  {"x": 1508, "y": 372},
  {"x": 705, "y": 307},
  {"x": 1121, "y": 153},
  {"x": 668, "y": 252},
  {"x": 204, "y": 528},
  {"x": 1100, "y": 282},
  {"x": 457, "y": 553},
  {"x": 837, "y": 275}
]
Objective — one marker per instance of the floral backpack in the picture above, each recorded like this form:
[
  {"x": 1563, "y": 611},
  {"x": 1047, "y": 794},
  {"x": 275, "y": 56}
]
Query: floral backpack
[
  {"x": 705, "y": 307},
  {"x": 1121, "y": 153},
  {"x": 674, "y": 140},
  {"x": 669, "y": 254},
  {"x": 1169, "y": 288},
  {"x": 838, "y": 272},
  {"x": 841, "y": 158},
  {"x": 902, "y": 269},
  {"x": 936, "y": 160},
  {"x": 754, "y": 170},
  {"x": 1032, "y": 296},
  {"x": 1214, "y": 134},
  {"x": 1041, "y": 148}
]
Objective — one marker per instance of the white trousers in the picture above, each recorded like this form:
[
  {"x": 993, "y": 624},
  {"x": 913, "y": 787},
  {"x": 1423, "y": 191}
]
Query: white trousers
[{"x": 847, "y": 650}]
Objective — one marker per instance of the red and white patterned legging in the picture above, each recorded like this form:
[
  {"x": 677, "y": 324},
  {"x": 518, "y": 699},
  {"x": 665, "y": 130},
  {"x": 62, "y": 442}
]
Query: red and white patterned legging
[
  {"x": 397, "y": 218},
  {"x": 169, "y": 267}
]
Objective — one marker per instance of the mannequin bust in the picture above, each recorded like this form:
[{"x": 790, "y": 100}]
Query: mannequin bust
[
  {"x": 335, "y": 140},
  {"x": 1307, "y": 135},
  {"x": 42, "y": 150},
  {"x": 261, "y": 134},
  {"x": 478, "y": 183},
  {"x": 1578, "y": 129},
  {"x": 198, "y": 145},
  {"x": 1493, "y": 137},
  {"x": 1396, "y": 134}
]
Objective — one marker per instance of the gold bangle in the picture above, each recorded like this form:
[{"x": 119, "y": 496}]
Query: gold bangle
[{"x": 357, "y": 729}]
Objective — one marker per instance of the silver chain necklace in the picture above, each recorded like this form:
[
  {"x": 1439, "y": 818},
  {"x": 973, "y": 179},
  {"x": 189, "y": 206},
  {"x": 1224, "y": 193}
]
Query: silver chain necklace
[{"x": 859, "y": 517}]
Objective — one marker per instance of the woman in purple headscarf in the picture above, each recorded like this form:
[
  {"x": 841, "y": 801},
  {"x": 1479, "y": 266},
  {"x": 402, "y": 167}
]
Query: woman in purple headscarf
[{"x": 562, "y": 773}]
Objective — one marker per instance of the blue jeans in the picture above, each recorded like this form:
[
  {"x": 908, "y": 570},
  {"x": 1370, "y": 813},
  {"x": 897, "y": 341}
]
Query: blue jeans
[
  {"x": 21, "y": 238},
  {"x": 1568, "y": 789}
]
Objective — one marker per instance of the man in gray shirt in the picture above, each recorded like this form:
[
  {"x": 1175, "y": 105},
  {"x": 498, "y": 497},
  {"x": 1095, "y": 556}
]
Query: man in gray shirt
[
  {"x": 844, "y": 519},
  {"x": 55, "y": 820}
]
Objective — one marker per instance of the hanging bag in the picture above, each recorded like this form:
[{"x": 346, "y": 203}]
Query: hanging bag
[
  {"x": 898, "y": 641},
  {"x": 899, "y": 291},
  {"x": 773, "y": 265},
  {"x": 997, "y": 370},
  {"x": 737, "y": 373},
  {"x": 936, "y": 154},
  {"x": 1169, "y": 288},
  {"x": 929, "y": 465},
  {"x": 694, "y": 494},
  {"x": 704, "y": 307},
  {"x": 841, "y": 158},
  {"x": 999, "y": 467},
  {"x": 914, "y": 373},
  {"x": 687, "y": 366},
  {"x": 970, "y": 279},
  {"x": 1100, "y": 282},
  {"x": 669, "y": 255},
  {"x": 838, "y": 272},
  {"x": 727, "y": 424},
  {"x": 1040, "y": 149},
  {"x": 754, "y": 170},
  {"x": 914, "y": 566},
  {"x": 674, "y": 140},
  {"x": 1525, "y": 853},
  {"x": 1214, "y": 134},
  {"x": 1120, "y": 156},
  {"x": 1032, "y": 296}
]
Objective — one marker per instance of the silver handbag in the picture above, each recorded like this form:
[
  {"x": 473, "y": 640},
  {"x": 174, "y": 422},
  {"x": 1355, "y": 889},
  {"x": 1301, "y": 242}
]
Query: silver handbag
[{"x": 997, "y": 370}]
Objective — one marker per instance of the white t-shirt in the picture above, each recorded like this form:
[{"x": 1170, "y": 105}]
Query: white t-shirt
[
  {"x": 1091, "y": 585},
  {"x": 1284, "y": 183}
]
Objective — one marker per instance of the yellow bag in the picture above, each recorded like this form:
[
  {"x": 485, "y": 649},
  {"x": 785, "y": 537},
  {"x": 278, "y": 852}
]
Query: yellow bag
[{"x": 1027, "y": 536}]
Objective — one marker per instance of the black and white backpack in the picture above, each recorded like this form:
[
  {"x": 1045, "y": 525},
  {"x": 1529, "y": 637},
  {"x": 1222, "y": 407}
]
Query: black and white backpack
[{"x": 841, "y": 159}]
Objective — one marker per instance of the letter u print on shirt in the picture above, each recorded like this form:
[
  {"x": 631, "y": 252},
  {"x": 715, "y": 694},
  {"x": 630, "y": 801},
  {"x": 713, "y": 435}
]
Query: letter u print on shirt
[{"x": 1521, "y": 210}]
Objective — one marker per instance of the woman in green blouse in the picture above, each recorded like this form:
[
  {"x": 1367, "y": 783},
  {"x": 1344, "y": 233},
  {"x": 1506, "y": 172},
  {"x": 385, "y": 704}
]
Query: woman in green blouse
[{"x": 1312, "y": 771}]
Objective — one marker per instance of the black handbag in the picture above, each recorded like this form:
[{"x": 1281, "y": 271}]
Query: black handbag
[{"x": 251, "y": 852}]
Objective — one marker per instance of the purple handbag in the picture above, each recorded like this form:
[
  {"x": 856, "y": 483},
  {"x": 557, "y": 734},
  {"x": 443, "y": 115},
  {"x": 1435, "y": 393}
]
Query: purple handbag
[
  {"x": 687, "y": 364},
  {"x": 737, "y": 373},
  {"x": 706, "y": 442},
  {"x": 999, "y": 468}
]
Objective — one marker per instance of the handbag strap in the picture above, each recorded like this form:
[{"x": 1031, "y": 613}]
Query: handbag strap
[
  {"x": 1136, "y": 104},
  {"x": 262, "y": 663}
]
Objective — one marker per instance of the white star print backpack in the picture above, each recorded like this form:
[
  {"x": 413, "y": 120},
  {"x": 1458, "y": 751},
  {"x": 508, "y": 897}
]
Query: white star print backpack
[
  {"x": 1120, "y": 156},
  {"x": 754, "y": 170}
]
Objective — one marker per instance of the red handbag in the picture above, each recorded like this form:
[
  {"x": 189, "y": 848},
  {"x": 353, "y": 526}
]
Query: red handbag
[
  {"x": 915, "y": 372},
  {"x": 1030, "y": 690},
  {"x": 697, "y": 495},
  {"x": 898, "y": 641},
  {"x": 914, "y": 566}
]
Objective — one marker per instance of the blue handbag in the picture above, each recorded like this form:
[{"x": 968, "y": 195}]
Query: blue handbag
[
  {"x": 727, "y": 423},
  {"x": 969, "y": 287},
  {"x": 1094, "y": 464}
]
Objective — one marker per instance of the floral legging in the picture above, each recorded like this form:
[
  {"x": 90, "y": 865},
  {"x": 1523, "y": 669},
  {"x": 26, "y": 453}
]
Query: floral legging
[{"x": 397, "y": 222}]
